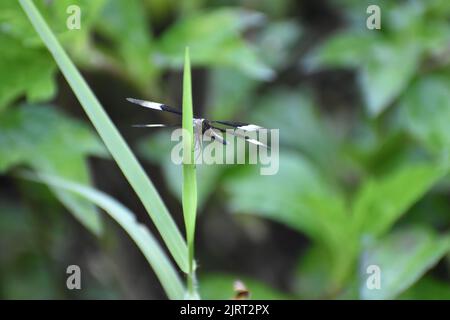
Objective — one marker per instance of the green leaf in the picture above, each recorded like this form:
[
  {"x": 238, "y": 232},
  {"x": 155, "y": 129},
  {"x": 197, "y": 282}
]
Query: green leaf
[
  {"x": 280, "y": 37},
  {"x": 403, "y": 257},
  {"x": 30, "y": 238},
  {"x": 26, "y": 68},
  {"x": 381, "y": 202},
  {"x": 15, "y": 23},
  {"x": 300, "y": 197},
  {"x": 39, "y": 136},
  {"x": 301, "y": 123},
  {"x": 425, "y": 110},
  {"x": 57, "y": 14},
  {"x": 189, "y": 196},
  {"x": 385, "y": 64},
  {"x": 387, "y": 60},
  {"x": 296, "y": 180},
  {"x": 386, "y": 74},
  {"x": 313, "y": 274},
  {"x": 219, "y": 286},
  {"x": 334, "y": 52},
  {"x": 228, "y": 93},
  {"x": 148, "y": 245},
  {"x": 214, "y": 40},
  {"x": 291, "y": 192},
  {"x": 113, "y": 141},
  {"x": 124, "y": 23},
  {"x": 427, "y": 288},
  {"x": 26, "y": 279},
  {"x": 380, "y": 153}
]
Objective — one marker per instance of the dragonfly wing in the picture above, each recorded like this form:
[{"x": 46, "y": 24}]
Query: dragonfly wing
[
  {"x": 154, "y": 105},
  {"x": 156, "y": 125},
  {"x": 215, "y": 136},
  {"x": 256, "y": 142},
  {"x": 239, "y": 125},
  {"x": 238, "y": 134}
]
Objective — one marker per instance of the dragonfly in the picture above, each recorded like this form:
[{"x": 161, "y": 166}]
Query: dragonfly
[{"x": 210, "y": 128}]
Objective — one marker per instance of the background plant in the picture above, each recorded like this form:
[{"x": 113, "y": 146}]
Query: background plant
[{"x": 364, "y": 155}]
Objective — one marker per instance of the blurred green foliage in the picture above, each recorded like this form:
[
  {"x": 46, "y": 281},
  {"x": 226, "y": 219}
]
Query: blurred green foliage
[
  {"x": 28, "y": 136},
  {"x": 364, "y": 179}
]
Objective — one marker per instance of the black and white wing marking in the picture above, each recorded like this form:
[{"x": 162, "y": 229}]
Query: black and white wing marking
[
  {"x": 155, "y": 125},
  {"x": 215, "y": 136},
  {"x": 239, "y": 125},
  {"x": 254, "y": 141},
  {"x": 238, "y": 134},
  {"x": 154, "y": 105}
]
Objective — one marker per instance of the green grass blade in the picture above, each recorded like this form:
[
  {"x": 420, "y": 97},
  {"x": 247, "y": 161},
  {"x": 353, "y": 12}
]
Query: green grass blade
[
  {"x": 126, "y": 219},
  {"x": 113, "y": 141},
  {"x": 189, "y": 196}
]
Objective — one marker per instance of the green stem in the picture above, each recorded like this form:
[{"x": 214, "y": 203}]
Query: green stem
[
  {"x": 189, "y": 197},
  {"x": 113, "y": 140}
]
